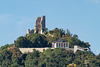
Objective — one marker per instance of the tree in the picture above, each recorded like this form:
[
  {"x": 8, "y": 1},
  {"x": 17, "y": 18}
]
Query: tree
[
  {"x": 68, "y": 33},
  {"x": 75, "y": 36},
  {"x": 23, "y": 42},
  {"x": 38, "y": 40},
  {"x": 4, "y": 47}
]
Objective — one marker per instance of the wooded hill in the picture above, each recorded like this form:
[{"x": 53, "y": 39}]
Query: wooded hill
[{"x": 59, "y": 57}]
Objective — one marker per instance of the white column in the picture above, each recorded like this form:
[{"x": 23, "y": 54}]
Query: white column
[
  {"x": 55, "y": 45},
  {"x": 63, "y": 45},
  {"x": 75, "y": 48},
  {"x": 58, "y": 44}
]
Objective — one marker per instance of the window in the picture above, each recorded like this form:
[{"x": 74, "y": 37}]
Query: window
[
  {"x": 56, "y": 44},
  {"x": 66, "y": 45},
  {"x": 59, "y": 44}
]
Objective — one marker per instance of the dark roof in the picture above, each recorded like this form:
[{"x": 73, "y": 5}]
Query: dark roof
[{"x": 59, "y": 40}]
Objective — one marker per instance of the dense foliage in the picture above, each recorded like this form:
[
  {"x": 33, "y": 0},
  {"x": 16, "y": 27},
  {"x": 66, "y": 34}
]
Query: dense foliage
[
  {"x": 5, "y": 46},
  {"x": 48, "y": 58},
  {"x": 12, "y": 57},
  {"x": 33, "y": 40},
  {"x": 45, "y": 40}
]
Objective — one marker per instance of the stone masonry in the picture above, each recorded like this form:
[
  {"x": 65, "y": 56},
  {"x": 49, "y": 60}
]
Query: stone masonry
[{"x": 39, "y": 26}]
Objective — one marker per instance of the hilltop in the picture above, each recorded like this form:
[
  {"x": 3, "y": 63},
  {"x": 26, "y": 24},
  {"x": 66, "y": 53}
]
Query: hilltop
[
  {"x": 58, "y": 57},
  {"x": 46, "y": 39},
  {"x": 40, "y": 37}
]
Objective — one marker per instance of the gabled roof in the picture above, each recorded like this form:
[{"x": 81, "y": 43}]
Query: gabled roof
[{"x": 59, "y": 40}]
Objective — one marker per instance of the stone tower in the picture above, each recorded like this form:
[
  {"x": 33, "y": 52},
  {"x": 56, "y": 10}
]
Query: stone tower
[{"x": 40, "y": 25}]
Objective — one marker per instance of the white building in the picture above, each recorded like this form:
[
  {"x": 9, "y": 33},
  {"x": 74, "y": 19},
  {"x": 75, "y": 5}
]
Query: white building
[
  {"x": 77, "y": 48},
  {"x": 60, "y": 43}
]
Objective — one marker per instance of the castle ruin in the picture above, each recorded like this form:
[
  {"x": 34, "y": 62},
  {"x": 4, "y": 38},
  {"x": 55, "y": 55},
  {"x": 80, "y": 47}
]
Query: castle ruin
[{"x": 39, "y": 26}]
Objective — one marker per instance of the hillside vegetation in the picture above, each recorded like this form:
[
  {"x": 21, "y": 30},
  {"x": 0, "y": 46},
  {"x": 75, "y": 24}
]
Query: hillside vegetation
[
  {"x": 59, "y": 57},
  {"x": 45, "y": 40},
  {"x": 48, "y": 58}
]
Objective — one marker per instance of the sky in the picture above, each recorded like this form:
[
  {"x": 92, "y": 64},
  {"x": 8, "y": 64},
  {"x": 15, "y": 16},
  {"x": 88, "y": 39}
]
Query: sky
[{"x": 81, "y": 17}]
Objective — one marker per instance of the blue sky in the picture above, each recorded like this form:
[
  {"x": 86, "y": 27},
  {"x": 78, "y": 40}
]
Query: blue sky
[{"x": 81, "y": 17}]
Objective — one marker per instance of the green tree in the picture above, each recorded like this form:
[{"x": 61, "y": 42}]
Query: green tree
[
  {"x": 23, "y": 42},
  {"x": 5, "y": 46},
  {"x": 38, "y": 40},
  {"x": 68, "y": 33}
]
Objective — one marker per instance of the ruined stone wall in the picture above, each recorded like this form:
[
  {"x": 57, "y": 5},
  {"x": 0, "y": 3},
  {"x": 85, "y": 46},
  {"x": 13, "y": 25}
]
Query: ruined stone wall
[
  {"x": 30, "y": 31},
  {"x": 40, "y": 25}
]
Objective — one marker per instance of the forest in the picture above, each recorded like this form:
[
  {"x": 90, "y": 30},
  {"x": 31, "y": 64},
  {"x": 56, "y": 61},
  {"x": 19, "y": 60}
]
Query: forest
[{"x": 59, "y": 57}]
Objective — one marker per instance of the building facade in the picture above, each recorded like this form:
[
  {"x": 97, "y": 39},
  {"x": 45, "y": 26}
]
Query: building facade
[{"x": 60, "y": 44}]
